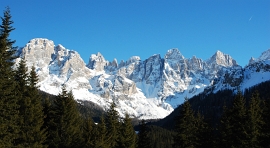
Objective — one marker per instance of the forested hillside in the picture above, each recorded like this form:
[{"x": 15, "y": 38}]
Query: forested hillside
[{"x": 30, "y": 118}]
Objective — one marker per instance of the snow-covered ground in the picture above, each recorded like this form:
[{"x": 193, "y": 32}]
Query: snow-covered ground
[{"x": 146, "y": 89}]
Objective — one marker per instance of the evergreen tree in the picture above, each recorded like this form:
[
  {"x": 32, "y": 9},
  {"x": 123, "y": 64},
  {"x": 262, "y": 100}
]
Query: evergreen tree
[
  {"x": 159, "y": 137},
  {"x": 255, "y": 121},
  {"x": 204, "y": 132},
  {"x": 47, "y": 107},
  {"x": 225, "y": 129},
  {"x": 143, "y": 136},
  {"x": 99, "y": 133},
  {"x": 21, "y": 77},
  {"x": 88, "y": 128},
  {"x": 30, "y": 111},
  {"x": 112, "y": 123},
  {"x": 8, "y": 98},
  {"x": 127, "y": 134},
  {"x": 35, "y": 112},
  {"x": 185, "y": 128},
  {"x": 233, "y": 124},
  {"x": 65, "y": 124},
  {"x": 266, "y": 126}
]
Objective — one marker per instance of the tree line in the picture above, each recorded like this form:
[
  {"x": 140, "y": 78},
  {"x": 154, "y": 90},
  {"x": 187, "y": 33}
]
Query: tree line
[
  {"x": 244, "y": 124},
  {"x": 29, "y": 120}
]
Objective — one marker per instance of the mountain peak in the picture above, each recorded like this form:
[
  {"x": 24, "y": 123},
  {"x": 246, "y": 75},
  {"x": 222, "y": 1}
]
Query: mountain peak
[
  {"x": 40, "y": 41},
  {"x": 97, "y": 62},
  {"x": 133, "y": 59},
  {"x": 174, "y": 54},
  {"x": 218, "y": 52},
  {"x": 252, "y": 60},
  {"x": 265, "y": 55},
  {"x": 219, "y": 58}
]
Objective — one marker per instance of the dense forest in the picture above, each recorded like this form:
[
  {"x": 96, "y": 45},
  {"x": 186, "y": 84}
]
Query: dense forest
[{"x": 31, "y": 118}]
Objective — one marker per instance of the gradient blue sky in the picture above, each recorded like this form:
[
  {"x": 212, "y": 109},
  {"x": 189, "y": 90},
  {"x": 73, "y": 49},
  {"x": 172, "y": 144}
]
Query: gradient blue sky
[{"x": 124, "y": 28}]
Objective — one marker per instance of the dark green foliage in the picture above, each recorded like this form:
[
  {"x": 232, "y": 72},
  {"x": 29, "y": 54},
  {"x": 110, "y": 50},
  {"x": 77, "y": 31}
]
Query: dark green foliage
[
  {"x": 112, "y": 123},
  {"x": 233, "y": 123},
  {"x": 88, "y": 128},
  {"x": 21, "y": 77},
  {"x": 90, "y": 109},
  {"x": 64, "y": 127},
  {"x": 204, "y": 132},
  {"x": 24, "y": 122},
  {"x": 185, "y": 128},
  {"x": 6, "y": 44},
  {"x": 100, "y": 131},
  {"x": 225, "y": 130},
  {"x": 8, "y": 98},
  {"x": 143, "y": 136},
  {"x": 31, "y": 115},
  {"x": 254, "y": 121},
  {"x": 209, "y": 105},
  {"x": 127, "y": 137},
  {"x": 160, "y": 137},
  {"x": 47, "y": 118},
  {"x": 266, "y": 126}
]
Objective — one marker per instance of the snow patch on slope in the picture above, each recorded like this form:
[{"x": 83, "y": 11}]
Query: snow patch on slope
[{"x": 145, "y": 89}]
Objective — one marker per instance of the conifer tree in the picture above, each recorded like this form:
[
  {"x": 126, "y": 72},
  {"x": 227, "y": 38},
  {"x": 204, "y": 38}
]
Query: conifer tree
[
  {"x": 225, "y": 129},
  {"x": 21, "y": 77},
  {"x": 99, "y": 133},
  {"x": 204, "y": 132},
  {"x": 36, "y": 120},
  {"x": 143, "y": 136},
  {"x": 112, "y": 123},
  {"x": 255, "y": 121},
  {"x": 233, "y": 124},
  {"x": 127, "y": 134},
  {"x": 8, "y": 98},
  {"x": 30, "y": 109},
  {"x": 65, "y": 124},
  {"x": 88, "y": 130},
  {"x": 266, "y": 126},
  {"x": 185, "y": 128},
  {"x": 47, "y": 119}
]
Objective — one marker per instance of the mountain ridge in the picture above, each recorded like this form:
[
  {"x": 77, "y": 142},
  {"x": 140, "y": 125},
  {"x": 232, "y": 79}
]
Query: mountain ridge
[{"x": 145, "y": 89}]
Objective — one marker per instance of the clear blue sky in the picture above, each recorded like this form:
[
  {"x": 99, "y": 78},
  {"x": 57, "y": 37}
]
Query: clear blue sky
[{"x": 124, "y": 28}]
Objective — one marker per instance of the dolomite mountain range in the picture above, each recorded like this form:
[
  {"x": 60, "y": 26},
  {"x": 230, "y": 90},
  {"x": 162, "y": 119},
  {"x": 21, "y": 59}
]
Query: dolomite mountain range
[{"x": 145, "y": 89}]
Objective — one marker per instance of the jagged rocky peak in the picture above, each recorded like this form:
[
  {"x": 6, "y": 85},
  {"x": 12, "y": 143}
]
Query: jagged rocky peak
[
  {"x": 251, "y": 60},
  {"x": 124, "y": 85},
  {"x": 38, "y": 52},
  {"x": 61, "y": 51},
  {"x": 97, "y": 62},
  {"x": 133, "y": 59},
  {"x": 114, "y": 63},
  {"x": 39, "y": 45},
  {"x": 122, "y": 63},
  {"x": 174, "y": 54},
  {"x": 265, "y": 55},
  {"x": 196, "y": 63},
  {"x": 41, "y": 42},
  {"x": 60, "y": 47},
  {"x": 152, "y": 68},
  {"x": 112, "y": 66},
  {"x": 222, "y": 59}
]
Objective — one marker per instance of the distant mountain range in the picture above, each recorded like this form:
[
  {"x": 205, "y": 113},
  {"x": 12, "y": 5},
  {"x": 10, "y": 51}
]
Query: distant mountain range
[{"x": 145, "y": 89}]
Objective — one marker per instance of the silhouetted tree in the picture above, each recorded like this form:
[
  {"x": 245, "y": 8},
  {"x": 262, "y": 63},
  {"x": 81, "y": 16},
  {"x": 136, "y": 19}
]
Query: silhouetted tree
[
  {"x": 127, "y": 138},
  {"x": 8, "y": 99}
]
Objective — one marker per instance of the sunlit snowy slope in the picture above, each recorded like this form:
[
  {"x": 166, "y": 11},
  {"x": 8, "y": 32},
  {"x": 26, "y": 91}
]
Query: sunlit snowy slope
[{"x": 145, "y": 89}]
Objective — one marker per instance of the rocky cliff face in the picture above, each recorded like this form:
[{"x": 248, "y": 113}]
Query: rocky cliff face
[{"x": 148, "y": 88}]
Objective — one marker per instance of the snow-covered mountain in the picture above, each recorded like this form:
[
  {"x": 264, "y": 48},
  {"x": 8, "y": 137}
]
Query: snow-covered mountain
[
  {"x": 147, "y": 89},
  {"x": 257, "y": 71}
]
